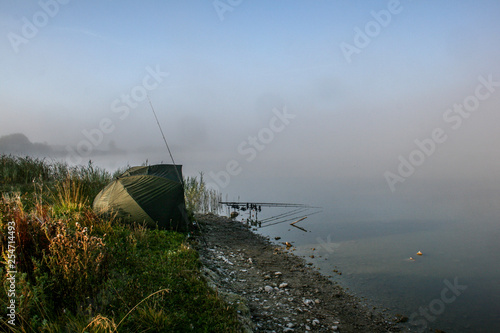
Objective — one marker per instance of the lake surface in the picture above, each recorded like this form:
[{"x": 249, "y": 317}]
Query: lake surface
[{"x": 453, "y": 286}]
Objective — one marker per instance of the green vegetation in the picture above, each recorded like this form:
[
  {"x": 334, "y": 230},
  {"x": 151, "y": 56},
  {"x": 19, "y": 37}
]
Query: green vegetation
[
  {"x": 199, "y": 198},
  {"x": 79, "y": 272}
]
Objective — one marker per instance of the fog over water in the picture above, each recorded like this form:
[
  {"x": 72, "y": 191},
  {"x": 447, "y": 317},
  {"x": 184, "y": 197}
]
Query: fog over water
[{"x": 385, "y": 114}]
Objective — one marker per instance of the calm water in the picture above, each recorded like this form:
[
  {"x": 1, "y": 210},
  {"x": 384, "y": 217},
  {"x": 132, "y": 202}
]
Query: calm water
[
  {"x": 374, "y": 260},
  {"x": 373, "y": 257}
]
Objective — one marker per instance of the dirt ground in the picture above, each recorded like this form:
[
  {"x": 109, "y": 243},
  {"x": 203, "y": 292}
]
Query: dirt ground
[{"x": 276, "y": 291}]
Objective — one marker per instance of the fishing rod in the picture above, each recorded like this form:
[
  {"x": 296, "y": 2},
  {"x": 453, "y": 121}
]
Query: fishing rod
[
  {"x": 276, "y": 217},
  {"x": 285, "y": 220},
  {"x": 239, "y": 205},
  {"x": 284, "y": 213},
  {"x": 288, "y": 220},
  {"x": 183, "y": 211},
  {"x": 166, "y": 144}
]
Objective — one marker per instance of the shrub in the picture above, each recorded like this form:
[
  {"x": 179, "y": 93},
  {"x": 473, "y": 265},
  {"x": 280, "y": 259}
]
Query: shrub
[
  {"x": 31, "y": 239},
  {"x": 76, "y": 259}
]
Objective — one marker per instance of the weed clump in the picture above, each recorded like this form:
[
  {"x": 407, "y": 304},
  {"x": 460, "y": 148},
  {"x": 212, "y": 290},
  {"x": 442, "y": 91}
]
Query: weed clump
[{"x": 200, "y": 198}]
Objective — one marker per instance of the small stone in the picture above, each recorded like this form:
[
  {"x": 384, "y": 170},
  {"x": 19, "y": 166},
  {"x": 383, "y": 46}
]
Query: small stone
[
  {"x": 267, "y": 277},
  {"x": 278, "y": 273},
  {"x": 283, "y": 285},
  {"x": 288, "y": 329},
  {"x": 268, "y": 289},
  {"x": 316, "y": 301},
  {"x": 315, "y": 322},
  {"x": 308, "y": 328},
  {"x": 401, "y": 318},
  {"x": 291, "y": 325},
  {"x": 308, "y": 302},
  {"x": 335, "y": 328}
]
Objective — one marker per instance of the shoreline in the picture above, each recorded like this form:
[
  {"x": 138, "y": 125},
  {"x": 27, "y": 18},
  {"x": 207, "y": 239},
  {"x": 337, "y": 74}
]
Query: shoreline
[{"x": 277, "y": 291}]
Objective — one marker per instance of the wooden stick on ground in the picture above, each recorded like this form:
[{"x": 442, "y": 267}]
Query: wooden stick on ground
[
  {"x": 296, "y": 226},
  {"x": 305, "y": 217}
]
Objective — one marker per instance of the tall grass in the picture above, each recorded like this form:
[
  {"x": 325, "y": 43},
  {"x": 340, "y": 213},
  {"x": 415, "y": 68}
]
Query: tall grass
[
  {"x": 23, "y": 170},
  {"x": 70, "y": 183},
  {"x": 199, "y": 198},
  {"x": 79, "y": 272}
]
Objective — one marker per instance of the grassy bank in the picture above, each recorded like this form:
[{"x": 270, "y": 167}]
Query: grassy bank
[{"x": 79, "y": 272}]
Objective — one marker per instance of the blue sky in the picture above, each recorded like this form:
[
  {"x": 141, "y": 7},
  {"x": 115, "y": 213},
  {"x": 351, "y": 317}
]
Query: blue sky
[{"x": 225, "y": 77}]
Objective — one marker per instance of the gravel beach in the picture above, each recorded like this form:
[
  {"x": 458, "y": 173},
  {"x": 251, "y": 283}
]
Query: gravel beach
[{"x": 276, "y": 291}]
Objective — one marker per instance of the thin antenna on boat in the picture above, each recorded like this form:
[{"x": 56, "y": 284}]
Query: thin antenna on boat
[
  {"x": 166, "y": 144},
  {"x": 175, "y": 167}
]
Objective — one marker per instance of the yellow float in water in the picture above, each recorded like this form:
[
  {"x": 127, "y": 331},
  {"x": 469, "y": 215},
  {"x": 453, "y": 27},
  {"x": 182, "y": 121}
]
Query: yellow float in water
[{"x": 419, "y": 253}]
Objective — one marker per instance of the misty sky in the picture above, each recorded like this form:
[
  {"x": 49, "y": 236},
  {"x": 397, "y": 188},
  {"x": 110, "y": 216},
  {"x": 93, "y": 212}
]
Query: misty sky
[{"x": 329, "y": 89}]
